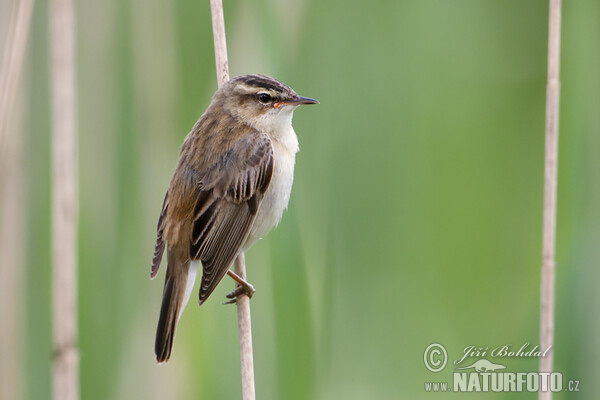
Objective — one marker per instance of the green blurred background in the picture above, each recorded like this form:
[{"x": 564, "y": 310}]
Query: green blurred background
[{"x": 416, "y": 211}]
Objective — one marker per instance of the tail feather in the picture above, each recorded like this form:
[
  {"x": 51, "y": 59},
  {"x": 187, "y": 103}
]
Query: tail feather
[
  {"x": 179, "y": 282},
  {"x": 167, "y": 322}
]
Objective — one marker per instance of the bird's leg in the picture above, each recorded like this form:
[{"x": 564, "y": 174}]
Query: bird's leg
[{"x": 242, "y": 288}]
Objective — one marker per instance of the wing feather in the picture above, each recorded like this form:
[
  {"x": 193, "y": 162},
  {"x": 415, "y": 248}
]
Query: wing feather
[
  {"x": 227, "y": 204},
  {"x": 159, "y": 248}
]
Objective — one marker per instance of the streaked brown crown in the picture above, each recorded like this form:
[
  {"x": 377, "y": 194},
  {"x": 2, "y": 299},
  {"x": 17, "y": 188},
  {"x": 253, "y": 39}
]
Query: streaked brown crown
[
  {"x": 245, "y": 88},
  {"x": 264, "y": 82}
]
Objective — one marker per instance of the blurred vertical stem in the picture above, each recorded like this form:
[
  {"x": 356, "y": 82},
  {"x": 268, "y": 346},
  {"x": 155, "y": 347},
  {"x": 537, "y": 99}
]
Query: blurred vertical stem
[
  {"x": 11, "y": 204},
  {"x": 243, "y": 302},
  {"x": 64, "y": 207},
  {"x": 550, "y": 183},
  {"x": 12, "y": 62}
]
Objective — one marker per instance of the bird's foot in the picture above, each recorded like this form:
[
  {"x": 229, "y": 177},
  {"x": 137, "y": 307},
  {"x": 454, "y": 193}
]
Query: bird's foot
[{"x": 240, "y": 290}]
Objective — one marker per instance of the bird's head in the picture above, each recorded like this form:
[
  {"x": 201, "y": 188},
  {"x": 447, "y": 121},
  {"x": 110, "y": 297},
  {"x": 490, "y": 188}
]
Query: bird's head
[{"x": 260, "y": 101}]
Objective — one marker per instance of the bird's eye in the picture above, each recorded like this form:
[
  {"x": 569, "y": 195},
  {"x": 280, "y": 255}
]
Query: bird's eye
[{"x": 264, "y": 97}]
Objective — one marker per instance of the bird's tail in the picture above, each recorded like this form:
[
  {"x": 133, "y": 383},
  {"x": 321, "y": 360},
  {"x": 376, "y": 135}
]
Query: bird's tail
[{"x": 179, "y": 282}]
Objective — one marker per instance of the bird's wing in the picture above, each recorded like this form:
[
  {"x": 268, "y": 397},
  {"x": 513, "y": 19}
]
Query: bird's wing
[{"x": 227, "y": 201}]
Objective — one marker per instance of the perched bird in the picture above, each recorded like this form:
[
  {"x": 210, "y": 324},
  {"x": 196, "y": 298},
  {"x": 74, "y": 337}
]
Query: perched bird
[{"x": 231, "y": 186}]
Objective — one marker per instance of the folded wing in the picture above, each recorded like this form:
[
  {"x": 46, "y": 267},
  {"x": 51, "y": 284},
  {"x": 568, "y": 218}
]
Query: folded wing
[{"x": 227, "y": 203}]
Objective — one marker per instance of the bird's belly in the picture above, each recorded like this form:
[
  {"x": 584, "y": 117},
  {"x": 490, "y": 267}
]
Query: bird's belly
[{"x": 276, "y": 198}]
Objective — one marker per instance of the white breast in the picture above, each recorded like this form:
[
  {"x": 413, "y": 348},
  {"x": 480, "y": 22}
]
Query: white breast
[{"x": 277, "y": 197}]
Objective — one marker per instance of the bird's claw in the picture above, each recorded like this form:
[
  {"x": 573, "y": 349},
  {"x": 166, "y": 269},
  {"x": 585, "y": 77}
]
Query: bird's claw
[{"x": 240, "y": 291}]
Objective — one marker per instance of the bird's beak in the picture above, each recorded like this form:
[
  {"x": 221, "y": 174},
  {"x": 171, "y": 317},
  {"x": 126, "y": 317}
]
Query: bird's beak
[
  {"x": 296, "y": 102},
  {"x": 304, "y": 100}
]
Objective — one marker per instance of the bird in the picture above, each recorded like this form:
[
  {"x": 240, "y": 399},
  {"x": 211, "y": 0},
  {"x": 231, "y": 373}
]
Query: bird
[{"x": 230, "y": 187}]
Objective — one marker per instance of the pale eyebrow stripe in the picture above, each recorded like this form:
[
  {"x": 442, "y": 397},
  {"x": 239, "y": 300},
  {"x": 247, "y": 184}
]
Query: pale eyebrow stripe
[{"x": 246, "y": 88}]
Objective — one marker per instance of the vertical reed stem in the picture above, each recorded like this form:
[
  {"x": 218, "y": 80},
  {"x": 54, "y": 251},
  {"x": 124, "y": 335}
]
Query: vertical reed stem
[
  {"x": 12, "y": 63},
  {"x": 243, "y": 302},
  {"x": 550, "y": 182},
  {"x": 12, "y": 220},
  {"x": 245, "y": 329},
  {"x": 218, "y": 23},
  {"x": 64, "y": 207}
]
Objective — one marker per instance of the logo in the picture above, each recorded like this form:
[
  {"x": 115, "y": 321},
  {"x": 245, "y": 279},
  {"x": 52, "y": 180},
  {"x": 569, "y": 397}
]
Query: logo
[
  {"x": 484, "y": 365},
  {"x": 435, "y": 357},
  {"x": 485, "y": 375}
]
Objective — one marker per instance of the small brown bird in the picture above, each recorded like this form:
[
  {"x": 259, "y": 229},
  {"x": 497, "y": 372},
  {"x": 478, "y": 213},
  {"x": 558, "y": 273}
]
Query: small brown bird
[{"x": 231, "y": 186}]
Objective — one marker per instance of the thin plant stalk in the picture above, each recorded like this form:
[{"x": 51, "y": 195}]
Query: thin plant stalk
[
  {"x": 245, "y": 329},
  {"x": 548, "y": 273},
  {"x": 65, "y": 368},
  {"x": 11, "y": 202},
  {"x": 243, "y": 302},
  {"x": 218, "y": 23},
  {"x": 12, "y": 65}
]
